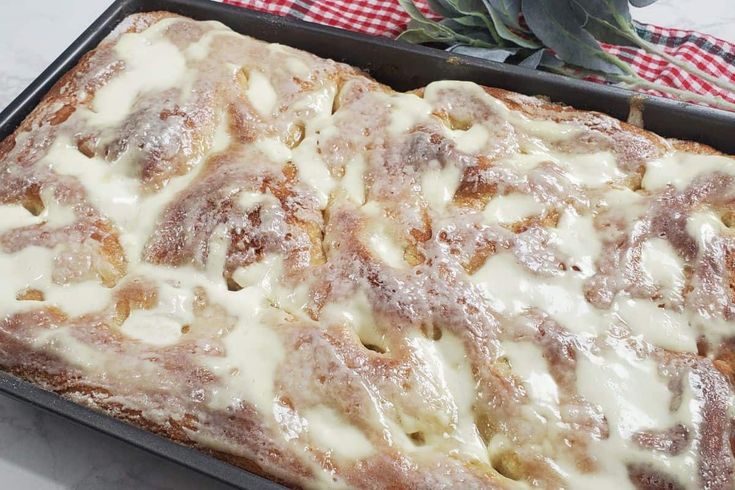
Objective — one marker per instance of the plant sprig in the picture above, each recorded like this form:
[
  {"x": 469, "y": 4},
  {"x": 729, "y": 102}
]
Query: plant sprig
[{"x": 558, "y": 35}]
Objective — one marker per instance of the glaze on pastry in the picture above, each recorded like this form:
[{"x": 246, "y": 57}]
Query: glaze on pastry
[{"x": 273, "y": 258}]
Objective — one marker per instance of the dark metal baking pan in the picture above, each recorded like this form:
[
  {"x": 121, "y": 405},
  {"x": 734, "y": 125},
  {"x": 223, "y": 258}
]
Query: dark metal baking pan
[{"x": 400, "y": 65}]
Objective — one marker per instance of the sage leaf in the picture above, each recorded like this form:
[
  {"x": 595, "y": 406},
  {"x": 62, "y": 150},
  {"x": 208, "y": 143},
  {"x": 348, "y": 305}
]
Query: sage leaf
[
  {"x": 509, "y": 35},
  {"x": 469, "y": 34},
  {"x": 534, "y": 60},
  {"x": 412, "y": 10},
  {"x": 509, "y": 11},
  {"x": 641, "y": 3},
  {"x": 551, "y": 62},
  {"x": 442, "y": 7},
  {"x": 457, "y": 23},
  {"x": 432, "y": 32},
  {"x": 476, "y": 8},
  {"x": 420, "y": 35},
  {"x": 435, "y": 30},
  {"x": 607, "y": 20},
  {"x": 559, "y": 27},
  {"x": 469, "y": 7},
  {"x": 489, "y": 54}
]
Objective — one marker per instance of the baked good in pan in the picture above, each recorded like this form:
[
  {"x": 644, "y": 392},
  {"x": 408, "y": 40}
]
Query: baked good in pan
[{"x": 276, "y": 259}]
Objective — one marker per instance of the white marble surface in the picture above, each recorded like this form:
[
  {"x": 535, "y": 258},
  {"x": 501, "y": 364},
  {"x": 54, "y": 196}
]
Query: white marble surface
[
  {"x": 715, "y": 17},
  {"x": 43, "y": 452}
]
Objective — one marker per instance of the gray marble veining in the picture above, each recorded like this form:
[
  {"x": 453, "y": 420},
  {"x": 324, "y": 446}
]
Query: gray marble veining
[{"x": 43, "y": 452}]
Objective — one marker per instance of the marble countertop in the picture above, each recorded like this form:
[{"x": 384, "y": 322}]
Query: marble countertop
[{"x": 42, "y": 451}]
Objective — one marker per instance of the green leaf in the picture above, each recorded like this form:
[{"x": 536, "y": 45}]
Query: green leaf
[
  {"x": 457, "y": 8},
  {"x": 436, "y": 31},
  {"x": 466, "y": 21},
  {"x": 470, "y": 33},
  {"x": 606, "y": 20},
  {"x": 550, "y": 61},
  {"x": 508, "y": 35},
  {"x": 419, "y": 36},
  {"x": 475, "y": 8},
  {"x": 442, "y": 7},
  {"x": 508, "y": 10},
  {"x": 641, "y": 3},
  {"x": 431, "y": 32},
  {"x": 414, "y": 12},
  {"x": 559, "y": 27},
  {"x": 469, "y": 7},
  {"x": 533, "y": 60},
  {"x": 489, "y": 54}
]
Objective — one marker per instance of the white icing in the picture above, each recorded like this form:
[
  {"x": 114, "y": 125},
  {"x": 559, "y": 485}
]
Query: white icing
[
  {"x": 108, "y": 186},
  {"x": 32, "y": 268},
  {"x": 117, "y": 194},
  {"x": 590, "y": 169},
  {"x": 659, "y": 326},
  {"x": 200, "y": 49},
  {"x": 380, "y": 239},
  {"x": 222, "y": 137},
  {"x": 664, "y": 267},
  {"x": 549, "y": 130},
  {"x": 406, "y": 111},
  {"x": 318, "y": 102},
  {"x": 511, "y": 208},
  {"x": 218, "y": 246},
  {"x": 524, "y": 162},
  {"x": 162, "y": 325},
  {"x": 15, "y": 216},
  {"x": 260, "y": 93},
  {"x": 446, "y": 360},
  {"x": 267, "y": 275},
  {"x": 356, "y": 313},
  {"x": 576, "y": 236},
  {"x": 332, "y": 433},
  {"x": 151, "y": 64},
  {"x": 438, "y": 185},
  {"x": 353, "y": 181},
  {"x": 297, "y": 67},
  {"x": 471, "y": 140},
  {"x": 253, "y": 352},
  {"x": 527, "y": 362},
  {"x": 75, "y": 352},
  {"x": 313, "y": 171},
  {"x": 632, "y": 396},
  {"x": 76, "y": 299},
  {"x": 624, "y": 202},
  {"x": 511, "y": 288},
  {"x": 704, "y": 226},
  {"x": 680, "y": 169},
  {"x": 54, "y": 214},
  {"x": 274, "y": 149},
  {"x": 248, "y": 200}
]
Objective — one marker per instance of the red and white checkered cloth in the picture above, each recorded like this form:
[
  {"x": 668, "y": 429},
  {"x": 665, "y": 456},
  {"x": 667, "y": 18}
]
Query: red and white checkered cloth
[{"x": 387, "y": 18}]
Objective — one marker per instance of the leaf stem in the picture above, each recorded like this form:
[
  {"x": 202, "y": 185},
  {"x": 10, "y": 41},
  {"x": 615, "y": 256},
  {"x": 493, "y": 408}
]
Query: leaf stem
[
  {"x": 635, "y": 81},
  {"x": 638, "y": 82},
  {"x": 625, "y": 29},
  {"x": 619, "y": 63}
]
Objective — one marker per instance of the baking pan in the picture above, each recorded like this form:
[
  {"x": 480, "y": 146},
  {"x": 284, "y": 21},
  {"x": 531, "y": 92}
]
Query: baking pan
[{"x": 402, "y": 66}]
